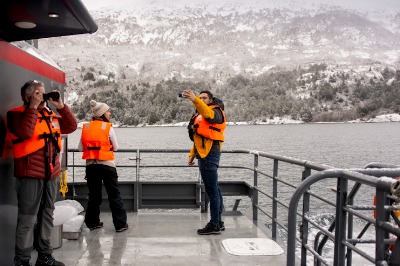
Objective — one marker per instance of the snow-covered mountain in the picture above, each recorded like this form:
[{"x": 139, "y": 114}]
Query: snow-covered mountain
[{"x": 214, "y": 40}]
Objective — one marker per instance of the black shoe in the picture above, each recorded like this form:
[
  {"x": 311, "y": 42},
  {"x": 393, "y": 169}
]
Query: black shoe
[
  {"x": 126, "y": 227},
  {"x": 22, "y": 263},
  {"x": 222, "y": 226},
  {"x": 209, "y": 230},
  {"x": 47, "y": 260},
  {"x": 100, "y": 225}
]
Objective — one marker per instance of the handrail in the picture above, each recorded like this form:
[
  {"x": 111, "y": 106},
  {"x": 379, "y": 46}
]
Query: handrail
[
  {"x": 350, "y": 198},
  {"x": 383, "y": 185},
  {"x": 265, "y": 187}
]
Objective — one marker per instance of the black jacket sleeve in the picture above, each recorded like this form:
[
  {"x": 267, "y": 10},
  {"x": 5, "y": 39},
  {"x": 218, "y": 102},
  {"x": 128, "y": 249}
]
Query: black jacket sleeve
[{"x": 218, "y": 117}]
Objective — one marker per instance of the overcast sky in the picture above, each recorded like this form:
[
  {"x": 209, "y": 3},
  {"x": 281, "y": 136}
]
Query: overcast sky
[{"x": 393, "y": 5}]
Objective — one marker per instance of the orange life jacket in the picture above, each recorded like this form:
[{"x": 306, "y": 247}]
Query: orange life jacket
[
  {"x": 211, "y": 131},
  {"x": 96, "y": 141},
  {"x": 41, "y": 133}
]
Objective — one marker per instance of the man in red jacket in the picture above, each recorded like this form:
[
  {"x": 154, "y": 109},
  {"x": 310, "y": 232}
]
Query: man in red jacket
[{"x": 36, "y": 131}]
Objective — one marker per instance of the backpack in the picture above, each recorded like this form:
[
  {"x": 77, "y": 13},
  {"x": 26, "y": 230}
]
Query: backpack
[{"x": 190, "y": 127}]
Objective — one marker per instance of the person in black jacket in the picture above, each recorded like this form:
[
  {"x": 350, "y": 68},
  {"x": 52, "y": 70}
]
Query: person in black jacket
[{"x": 207, "y": 134}]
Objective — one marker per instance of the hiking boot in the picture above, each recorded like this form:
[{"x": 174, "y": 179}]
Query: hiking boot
[
  {"x": 209, "y": 229},
  {"x": 100, "y": 225},
  {"x": 47, "y": 260},
  {"x": 126, "y": 227},
  {"x": 222, "y": 226},
  {"x": 22, "y": 263}
]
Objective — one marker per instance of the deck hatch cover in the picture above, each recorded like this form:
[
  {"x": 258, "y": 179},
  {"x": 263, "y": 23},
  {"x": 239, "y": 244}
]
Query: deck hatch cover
[{"x": 251, "y": 246}]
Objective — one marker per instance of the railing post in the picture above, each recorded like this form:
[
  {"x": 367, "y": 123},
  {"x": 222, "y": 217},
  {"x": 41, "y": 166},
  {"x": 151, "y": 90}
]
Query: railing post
[
  {"x": 274, "y": 196},
  {"x": 341, "y": 217},
  {"x": 136, "y": 188},
  {"x": 304, "y": 224},
  {"x": 73, "y": 175},
  {"x": 350, "y": 222},
  {"x": 381, "y": 216},
  {"x": 255, "y": 191}
]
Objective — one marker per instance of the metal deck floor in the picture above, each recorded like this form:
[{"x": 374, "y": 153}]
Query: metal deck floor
[{"x": 162, "y": 239}]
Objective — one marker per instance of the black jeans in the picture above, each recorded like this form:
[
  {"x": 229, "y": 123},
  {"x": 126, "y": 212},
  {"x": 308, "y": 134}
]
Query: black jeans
[{"x": 95, "y": 175}]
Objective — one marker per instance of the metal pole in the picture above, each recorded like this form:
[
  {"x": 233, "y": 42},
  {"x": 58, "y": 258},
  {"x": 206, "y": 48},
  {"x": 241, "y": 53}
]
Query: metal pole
[
  {"x": 304, "y": 222},
  {"x": 274, "y": 196},
  {"x": 350, "y": 218},
  {"x": 255, "y": 192},
  {"x": 73, "y": 175},
  {"x": 381, "y": 217},
  {"x": 136, "y": 197},
  {"x": 341, "y": 215}
]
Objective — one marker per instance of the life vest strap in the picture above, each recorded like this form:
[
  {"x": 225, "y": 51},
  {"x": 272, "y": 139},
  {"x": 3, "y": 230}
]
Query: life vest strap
[
  {"x": 214, "y": 128},
  {"x": 42, "y": 136},
  {"x": 93, "y": 148},
  {"x": 96, "y": 148},
  {"x": 45, "y": 118},
  {"x": 47, "y": 135}
]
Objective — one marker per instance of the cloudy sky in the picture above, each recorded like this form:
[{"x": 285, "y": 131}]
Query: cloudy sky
[{"x": 393, "y": 5}]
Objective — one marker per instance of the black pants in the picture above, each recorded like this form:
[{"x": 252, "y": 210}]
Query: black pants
[{"x": 95, "y": 175}]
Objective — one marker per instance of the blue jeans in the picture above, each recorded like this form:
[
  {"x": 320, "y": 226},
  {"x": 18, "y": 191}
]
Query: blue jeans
[{"x": 208, "y": 169}]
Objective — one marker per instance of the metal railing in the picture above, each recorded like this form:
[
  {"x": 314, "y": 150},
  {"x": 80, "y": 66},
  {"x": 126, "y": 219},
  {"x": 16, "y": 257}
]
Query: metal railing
[
  {"x": 276, "y": 185},
  {"x": 319, "y": 245},
  {"x": 345, "y": 244}
]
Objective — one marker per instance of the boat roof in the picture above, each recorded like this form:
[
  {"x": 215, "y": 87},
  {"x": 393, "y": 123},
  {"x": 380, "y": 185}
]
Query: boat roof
[{"x": 48, "y": 19}]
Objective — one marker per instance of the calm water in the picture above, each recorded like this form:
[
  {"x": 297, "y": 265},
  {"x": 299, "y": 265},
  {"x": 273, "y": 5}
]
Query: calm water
[{"x": 339, "y": 145}]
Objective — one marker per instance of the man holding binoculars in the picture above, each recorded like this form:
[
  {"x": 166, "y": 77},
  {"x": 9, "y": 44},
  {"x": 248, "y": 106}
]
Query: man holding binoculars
[
  {"x": 206, "y": 130},
  {"x": 36, "y": 131}
]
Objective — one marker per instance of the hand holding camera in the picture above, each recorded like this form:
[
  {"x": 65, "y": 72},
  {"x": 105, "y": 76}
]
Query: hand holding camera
[{"x": 189, "y": 94}]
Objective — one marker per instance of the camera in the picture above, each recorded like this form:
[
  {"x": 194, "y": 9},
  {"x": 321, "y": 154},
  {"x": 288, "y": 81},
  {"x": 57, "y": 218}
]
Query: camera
[
  {"x": 180, "y": 94},
  {"x": 55, "y": 95}
]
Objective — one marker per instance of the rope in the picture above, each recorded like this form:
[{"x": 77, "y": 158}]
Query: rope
[{"x": 63, "y": 183}]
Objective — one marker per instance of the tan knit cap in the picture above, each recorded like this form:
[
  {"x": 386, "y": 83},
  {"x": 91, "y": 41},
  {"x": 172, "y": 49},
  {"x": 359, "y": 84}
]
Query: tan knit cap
[{"x": 98, "y": 108}]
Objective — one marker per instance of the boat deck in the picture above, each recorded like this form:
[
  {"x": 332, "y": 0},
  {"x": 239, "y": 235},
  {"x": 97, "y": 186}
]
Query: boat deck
[{"x": 163, "y": 238}]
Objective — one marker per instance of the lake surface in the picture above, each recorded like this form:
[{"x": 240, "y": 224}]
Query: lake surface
[{"x": 339, "y": 145}]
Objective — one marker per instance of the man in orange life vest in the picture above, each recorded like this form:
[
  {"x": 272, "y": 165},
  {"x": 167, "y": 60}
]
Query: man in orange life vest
[
  {"x": 98, "y": 143},
  {"x": 36, "y": 136},
  {"x": 206, "y": 130}
]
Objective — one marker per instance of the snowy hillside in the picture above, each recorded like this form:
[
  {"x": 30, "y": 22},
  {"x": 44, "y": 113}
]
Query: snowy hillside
[{"x": 213, "y": 40}]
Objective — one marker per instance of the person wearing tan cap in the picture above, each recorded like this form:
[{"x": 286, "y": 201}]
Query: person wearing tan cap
[{"x": 98, "y": 143}]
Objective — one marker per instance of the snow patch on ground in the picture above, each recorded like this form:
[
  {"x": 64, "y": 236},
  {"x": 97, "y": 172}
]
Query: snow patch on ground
[{"x": 386, "y": 118}]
